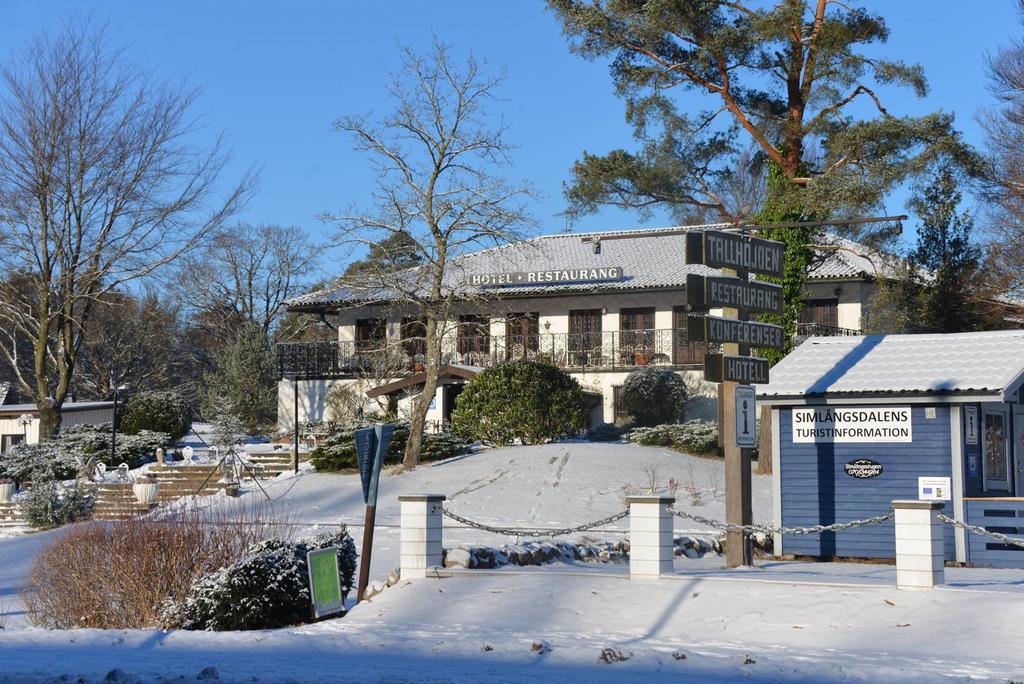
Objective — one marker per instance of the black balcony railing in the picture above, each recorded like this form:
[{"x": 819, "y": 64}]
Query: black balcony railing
[
  {"x": 822, "y": 330},
  {"x": 609, "y": 350}
]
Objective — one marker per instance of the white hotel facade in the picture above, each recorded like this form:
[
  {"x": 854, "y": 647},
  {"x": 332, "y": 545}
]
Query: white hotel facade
[{"x": 596, "y": 307}]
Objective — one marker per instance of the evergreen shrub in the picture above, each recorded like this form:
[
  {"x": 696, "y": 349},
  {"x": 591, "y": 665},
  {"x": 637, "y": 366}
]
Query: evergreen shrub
[
  {"x": 51, "y": 504},
  {"x": 337, "y": 451},
  {"x": 699, "y": 437},
  {"x": 268, "y": 588},
  {"x": 528, "y": 402},
  {"x": 155, "y": 411},
  {"x": 654, "y": 396}
]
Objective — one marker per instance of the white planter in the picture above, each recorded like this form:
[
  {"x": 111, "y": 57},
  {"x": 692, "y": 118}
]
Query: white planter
[
  {"x": 7, "y": 492},
  {"x": 145, "y": 492}
]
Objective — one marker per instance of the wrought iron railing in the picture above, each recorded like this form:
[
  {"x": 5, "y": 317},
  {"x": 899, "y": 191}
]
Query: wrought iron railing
[
  {"x": 822, "y": 330},
  {"x": 609, "y": 350}
]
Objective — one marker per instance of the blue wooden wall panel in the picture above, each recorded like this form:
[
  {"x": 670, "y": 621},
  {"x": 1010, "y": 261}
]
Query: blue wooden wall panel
[
  {"x": 816, "y": 489},
  {"x": 1006, "y": 517}
]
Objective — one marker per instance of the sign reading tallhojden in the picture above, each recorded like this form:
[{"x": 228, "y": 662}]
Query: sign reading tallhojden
[
  {"x": 734, "y": 250},
  {"x": 852, "y": 424}
]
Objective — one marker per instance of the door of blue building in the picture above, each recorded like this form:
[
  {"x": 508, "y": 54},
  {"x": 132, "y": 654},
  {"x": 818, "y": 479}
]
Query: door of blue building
[{"x": 1018, "y": 447}]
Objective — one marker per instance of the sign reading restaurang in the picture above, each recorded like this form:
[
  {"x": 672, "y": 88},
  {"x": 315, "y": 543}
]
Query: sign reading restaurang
[
  {"x": 733, "y": 292},
  {"x": 550, "y": 277},
  {"x": 852, "y": 424}
]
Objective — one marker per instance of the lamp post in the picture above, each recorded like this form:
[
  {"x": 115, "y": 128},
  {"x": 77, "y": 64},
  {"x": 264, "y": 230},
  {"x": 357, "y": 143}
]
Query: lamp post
[
  {"x": 113, "y": 426},
  {"x": 24, "y": 420}
]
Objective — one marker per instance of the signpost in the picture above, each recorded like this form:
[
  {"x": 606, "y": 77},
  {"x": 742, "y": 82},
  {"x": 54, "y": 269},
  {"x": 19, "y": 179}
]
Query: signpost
[
  {"x": 324, "y": 582},
  {"x": 737, "y": 254},
  {"x": 746, "y": 416},
  {"x": 371, "y": 445}
]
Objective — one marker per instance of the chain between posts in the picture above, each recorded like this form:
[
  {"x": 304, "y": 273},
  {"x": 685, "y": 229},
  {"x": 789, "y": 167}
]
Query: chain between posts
[
  {"x": 1013, "y": 541},
  {"x": 769, "y": 529},
  {"x": 532, "y": 532}
]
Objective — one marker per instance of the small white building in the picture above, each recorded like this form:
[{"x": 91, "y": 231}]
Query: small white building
[
  {"x": 20, "y": 422},
  {"x": 598, "y": 305}
]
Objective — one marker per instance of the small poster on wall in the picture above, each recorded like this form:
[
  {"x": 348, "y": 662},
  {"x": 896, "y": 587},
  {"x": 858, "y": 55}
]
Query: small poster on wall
[
  {"x": 971, "y": 424},
  {"x": 972, "y": 465},
  {"x": 933, "y": 488}
]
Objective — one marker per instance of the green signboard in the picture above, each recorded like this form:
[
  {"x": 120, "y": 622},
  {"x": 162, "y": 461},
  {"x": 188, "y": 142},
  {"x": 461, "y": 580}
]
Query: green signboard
[{"x": 324, "y": 582}]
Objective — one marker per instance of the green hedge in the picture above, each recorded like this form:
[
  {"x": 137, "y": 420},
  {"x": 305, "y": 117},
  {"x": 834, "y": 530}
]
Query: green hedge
[
  {"x": 337, "y": 451},
  {"x": 157, "y": 412},
  {"x": 526, "y": 402},
  {"x": 654, "y": 396},
  {"x": 699, "y": 437}
]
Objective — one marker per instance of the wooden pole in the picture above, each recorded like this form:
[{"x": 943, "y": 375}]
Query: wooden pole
[
  {"x": 295, "y": 454},
  {"x": 738, "y": 510},
  {"x": 364, "y": 560}
]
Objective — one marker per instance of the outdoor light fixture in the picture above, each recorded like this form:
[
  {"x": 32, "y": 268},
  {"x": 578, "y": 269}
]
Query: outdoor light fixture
[
  {"x": 24, "y": 420},
  {"x": 113, "y": 425}
]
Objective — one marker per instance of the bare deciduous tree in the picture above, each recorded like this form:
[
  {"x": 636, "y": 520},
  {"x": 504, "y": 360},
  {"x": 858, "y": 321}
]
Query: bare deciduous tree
[
  {"x": 98, "y": 188},
  {"x": 245, "y": 276},
  {"x": 437, "y": 154}
]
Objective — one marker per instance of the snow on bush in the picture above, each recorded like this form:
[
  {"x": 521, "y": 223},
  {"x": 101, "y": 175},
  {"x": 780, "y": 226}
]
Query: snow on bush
[
  {"x": 51, "y": 504},
  {"x": 698, "y": 437},
  {"x": 267, "y": 588},
  {"x": 526, "y": 402},
  {"x": 654, "y": 396},
  {"x": 337, "y": 451},
  {"x": 71, "y": 450},
  {"x": 155, "y": 411}
]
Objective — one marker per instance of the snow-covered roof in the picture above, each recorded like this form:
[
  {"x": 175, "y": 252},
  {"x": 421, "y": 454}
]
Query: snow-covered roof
[
  {"x": 980, "y": 362},
  {"x": 68, "y": 406},
  {"x": 649, "y": 259}
]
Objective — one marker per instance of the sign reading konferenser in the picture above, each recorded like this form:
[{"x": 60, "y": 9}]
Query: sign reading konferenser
[
  {"x": 852, "y": 424},
  {"x": 550, "y": 277},
  {"x": 717, "y": 329}
]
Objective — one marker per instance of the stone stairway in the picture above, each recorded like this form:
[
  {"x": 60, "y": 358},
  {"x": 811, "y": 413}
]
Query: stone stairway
[
  {"x": 116, "y": 501},
  {"x": 177, "y": 481},
  {"x": 10, "y": 515},
  {"x": 270, "y": 464}
]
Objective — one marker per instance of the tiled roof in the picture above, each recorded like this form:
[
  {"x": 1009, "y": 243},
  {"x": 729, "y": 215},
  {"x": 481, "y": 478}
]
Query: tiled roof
[
  {"x": 649, "y": 258},
  {"x": 990, "y": 362}
]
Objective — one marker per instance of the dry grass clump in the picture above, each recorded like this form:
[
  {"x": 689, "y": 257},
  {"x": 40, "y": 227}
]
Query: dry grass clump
[{"x": 112, "y": 575}]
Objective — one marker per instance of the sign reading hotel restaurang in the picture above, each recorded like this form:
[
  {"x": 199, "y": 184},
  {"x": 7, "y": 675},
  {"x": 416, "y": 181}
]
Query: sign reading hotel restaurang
[
  {"x": 550, "y": 277},
  {"x": 835, "y": 424},
  {"x": 719, "y": 249}
]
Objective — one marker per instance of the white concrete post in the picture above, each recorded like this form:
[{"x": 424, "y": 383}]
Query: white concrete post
[
  {"x": 420, "y": 543},
  {"x": 650, "y": 536},
  {"x": 919, "y": 549}
]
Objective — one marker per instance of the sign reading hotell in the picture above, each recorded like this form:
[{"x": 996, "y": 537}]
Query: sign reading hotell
[
  {"x": 747, "y": 370},
  {"x": 736, "y": 251},
  {"x": 832, "y": 424},
  {"x": 553, "y": 276}
]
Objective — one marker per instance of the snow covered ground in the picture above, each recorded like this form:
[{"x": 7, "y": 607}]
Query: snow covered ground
[{"x": 819, "y": 622}]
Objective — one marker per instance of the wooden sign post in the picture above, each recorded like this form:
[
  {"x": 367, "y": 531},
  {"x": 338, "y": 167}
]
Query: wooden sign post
[{"x": 737, "y": 255}]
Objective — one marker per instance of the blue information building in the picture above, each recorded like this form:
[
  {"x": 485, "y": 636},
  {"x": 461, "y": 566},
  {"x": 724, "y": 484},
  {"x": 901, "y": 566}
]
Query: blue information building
[{"x": 858, "y": 422}]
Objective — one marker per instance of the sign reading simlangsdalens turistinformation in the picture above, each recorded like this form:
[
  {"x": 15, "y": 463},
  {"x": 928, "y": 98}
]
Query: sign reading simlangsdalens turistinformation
[{"x": 836, "y": 424}]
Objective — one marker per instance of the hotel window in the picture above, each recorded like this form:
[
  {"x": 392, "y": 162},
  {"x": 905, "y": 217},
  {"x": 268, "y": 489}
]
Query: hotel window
[
  {"x": 820, "y": 312},
  {"x": 997, "y": 465},
  {"x": 371, "y": 334},
  {"x": 584, "y": 342},
  {"x": 637, "y": 330},
  {"x": 414, "y": 337},
  {"x": 474, "y": 335},
  {"x": 7, "y": 442},
  {"x": 683, "y": 351},
  {"x": 522, "y": 335}
]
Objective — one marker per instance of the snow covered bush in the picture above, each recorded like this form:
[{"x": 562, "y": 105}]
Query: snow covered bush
[
  {"x": 654, "y": 396},
  {"x": 267, "y": 588},
  {"x": 166, "y": 412},
  {"x": 64, "y": 456},
  {"x": 529, "y": 402},
  {"x": 113, "y": 575},
  {"x": 699, "y": 437},
  {"x": 337, "y": 451},
  {"x": 51, "y": 504}
]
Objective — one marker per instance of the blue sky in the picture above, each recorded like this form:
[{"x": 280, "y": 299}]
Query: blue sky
[{"x": 275, "y": 75}]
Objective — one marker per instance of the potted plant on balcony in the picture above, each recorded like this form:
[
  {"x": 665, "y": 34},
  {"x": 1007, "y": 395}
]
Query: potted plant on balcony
[
  {"x": 7, "y": 489},
  {"x": 146, "y": 487},
  {"x": 641, "y": 356}
]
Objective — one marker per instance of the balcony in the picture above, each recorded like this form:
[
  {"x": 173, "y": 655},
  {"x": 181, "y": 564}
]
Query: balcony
[
  {"x": 804, "y": 330},
  {"x": 606, "y": 351}
]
